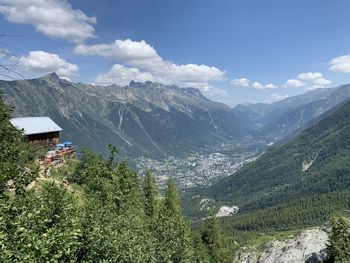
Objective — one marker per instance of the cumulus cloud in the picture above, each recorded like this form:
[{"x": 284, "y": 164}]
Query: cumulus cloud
[
  {"x": 340, "y": 64},
  {"x": 277, "y": 97},
  {"x": 123, "y": 75},
  {"x": 209, "y": 89},
  {"x": 242, "y": 82},
  {"x": 322, "y": 82},
  {"x": 42, "y": 62},
  {"x": 310, "y": 76},
  {"x": 295, "y": 83},
  {"x": 56, "y": 19},
  {"x": 308, "y": 81},
  {"x": 258, "y": 85},
  {"x": 142, "y": 56},
  {"x": 121, "y": 50},
  {"x": 270, "y": 86}
]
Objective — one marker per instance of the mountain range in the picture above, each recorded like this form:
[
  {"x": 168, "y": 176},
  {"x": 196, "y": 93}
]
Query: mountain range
[
  {"x": 155, "y": 120},
  {"x": 306, "y": 178},
  {"x": 148, "y": 119},
  {"x": 300, "y": 180}
]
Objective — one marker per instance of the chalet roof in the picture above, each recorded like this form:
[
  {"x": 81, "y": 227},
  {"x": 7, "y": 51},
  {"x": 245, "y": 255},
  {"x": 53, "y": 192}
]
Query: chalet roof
[{"x": 35, "y": 125}]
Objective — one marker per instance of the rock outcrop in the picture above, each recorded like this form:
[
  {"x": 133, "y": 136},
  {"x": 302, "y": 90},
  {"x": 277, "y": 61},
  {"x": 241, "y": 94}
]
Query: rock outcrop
[{"x": 308, "y": 246}]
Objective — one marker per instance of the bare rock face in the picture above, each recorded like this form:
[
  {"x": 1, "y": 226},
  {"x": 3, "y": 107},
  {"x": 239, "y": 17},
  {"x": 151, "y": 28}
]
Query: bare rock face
[
  {"x": 227, "y": 211},
  {"x": 308, "y": 246}
]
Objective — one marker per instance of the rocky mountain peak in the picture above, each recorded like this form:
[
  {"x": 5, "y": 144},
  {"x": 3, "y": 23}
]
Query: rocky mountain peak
[
  {"x": 52, "y": 77},
  {"x": 194, "y": 92}
]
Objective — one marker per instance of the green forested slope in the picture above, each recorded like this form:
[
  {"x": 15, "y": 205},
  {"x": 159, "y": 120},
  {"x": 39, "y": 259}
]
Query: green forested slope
[
  {"x": 278, "y": 176},
  {"x": 300, "y": 183},
  {"x": 105, "y": 214}
]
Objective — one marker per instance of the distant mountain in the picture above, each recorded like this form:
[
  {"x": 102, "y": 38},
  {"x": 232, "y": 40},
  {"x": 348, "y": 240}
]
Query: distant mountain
[
  {"x": 279, "y": 120},
  {"x": 147, "y": 119},
  {"x": 296, "y": 118},
  {"x": 315, "y": 163},
  {"x": 260, "y": 114},
  {"x": 155, "y": 120}
]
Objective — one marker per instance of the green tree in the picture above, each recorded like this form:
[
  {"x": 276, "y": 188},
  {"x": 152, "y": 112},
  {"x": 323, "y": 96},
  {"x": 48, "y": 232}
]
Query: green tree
[
  {"x": 213, "y": 239},
  {"x": 106, "y": 216},
  {"x": 200, "y": 250},
  {"x": 15, "y": 154},
  {"x": 339, "y": 242},
  {"x": 115, "y": 225},
  {"x": 173, "y": 238},
  {"x": 151, "y": 194},
  {"x": 41, "y": 226}
]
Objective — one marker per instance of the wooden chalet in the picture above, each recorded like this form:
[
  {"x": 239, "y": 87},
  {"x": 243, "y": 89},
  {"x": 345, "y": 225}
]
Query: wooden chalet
[{"x": 40, "y": 131}]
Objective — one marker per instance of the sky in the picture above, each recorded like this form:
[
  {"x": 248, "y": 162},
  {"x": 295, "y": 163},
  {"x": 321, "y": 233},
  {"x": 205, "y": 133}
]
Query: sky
[{"x": 234, "y": 51}]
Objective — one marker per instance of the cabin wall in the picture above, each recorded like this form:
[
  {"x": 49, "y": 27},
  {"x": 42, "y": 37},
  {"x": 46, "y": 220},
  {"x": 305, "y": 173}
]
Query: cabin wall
[{"x": 48, "y": 140}]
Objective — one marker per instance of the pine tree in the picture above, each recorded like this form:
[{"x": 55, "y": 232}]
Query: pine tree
[
  {"x": 115, "y": 225},
  {"x": 108, "y": 219},
  {"x": 173, "y": 235},
  {"x": 200, "y": 250},
  {"x": 150, "y": 190},
  {"x": 339, "y": 242},
  {"x": 213, "y": 239},
  {"x": 172, "y": 201}
]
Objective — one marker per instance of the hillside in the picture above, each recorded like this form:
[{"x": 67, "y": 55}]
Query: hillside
[
  {"x": 313, "y": 164},
  {"x": 90, "y": 210},
  {"x": 280, "y": 120},
  {"x": 146, "y": 119},
  {"x": 297, "y": 117},
  {"x": 154, "y": 120},
  {"x": 260, "y": 114}
]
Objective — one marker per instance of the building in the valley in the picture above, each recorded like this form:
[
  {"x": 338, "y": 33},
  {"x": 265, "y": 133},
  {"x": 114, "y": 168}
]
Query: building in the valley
[{"x": 39, "y": 130}]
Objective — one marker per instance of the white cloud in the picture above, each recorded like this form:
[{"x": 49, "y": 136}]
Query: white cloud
[
  {"x": 340, "y": 64},
  {"x": 310, "y": 76},
  {"x": 270, "y": 86},
  {"x": 142, "y": 56},
  {"x": 55, "y": 19},
  {"x": 122, "y": 76},
  {"x": 243, "y": 82},
  {"x": 121, "y": 50},
  {"x": 295, "y": 83},
  {"x": 42, "y": 62},
  {"x": 257, "y": 85},
  {"x": 204, "y": 87},
  {"x": 276, "y": 97},
  {"x": 308, "y": 81},
  {"x": 322, "y": 82}
]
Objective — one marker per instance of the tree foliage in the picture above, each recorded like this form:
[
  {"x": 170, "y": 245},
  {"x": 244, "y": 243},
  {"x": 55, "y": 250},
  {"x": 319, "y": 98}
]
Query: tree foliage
[
  {"x": 107, "y": 214},
  {"x": 14, "y": 153},
  {"x": 213, "y": 240},
  {"x": 173, "y": 234},
  {"x": 338, "y": 248}
]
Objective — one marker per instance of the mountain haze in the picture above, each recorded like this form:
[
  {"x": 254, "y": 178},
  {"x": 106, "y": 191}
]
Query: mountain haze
[{"x": 282, "y": 119}]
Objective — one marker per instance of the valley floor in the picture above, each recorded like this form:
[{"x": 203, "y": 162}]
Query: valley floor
[{"x": 205, "y": 167}]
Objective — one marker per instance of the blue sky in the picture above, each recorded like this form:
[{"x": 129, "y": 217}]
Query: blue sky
[{"x": 235, "y": 51}]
